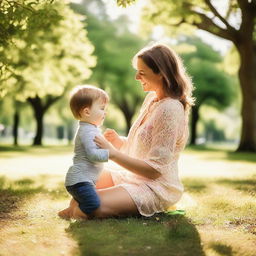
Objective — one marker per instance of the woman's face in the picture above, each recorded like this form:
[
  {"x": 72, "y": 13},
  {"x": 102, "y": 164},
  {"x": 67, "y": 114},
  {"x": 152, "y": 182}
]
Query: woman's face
[{"x": 149, "y": 80}]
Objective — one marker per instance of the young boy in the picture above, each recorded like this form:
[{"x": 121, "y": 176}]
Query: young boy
[{"x": 88, "y": 105}]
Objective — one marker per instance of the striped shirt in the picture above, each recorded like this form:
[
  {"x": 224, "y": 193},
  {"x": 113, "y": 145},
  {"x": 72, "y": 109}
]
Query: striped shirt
[{"x": 88, "y": 157}]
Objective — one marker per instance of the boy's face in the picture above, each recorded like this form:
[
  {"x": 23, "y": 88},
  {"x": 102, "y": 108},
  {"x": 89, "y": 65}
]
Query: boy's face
[{"x": 95, "y": 114}]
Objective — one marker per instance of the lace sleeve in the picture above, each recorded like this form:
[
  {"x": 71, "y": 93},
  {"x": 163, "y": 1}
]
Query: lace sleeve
[{"x": 168, "y": 120}]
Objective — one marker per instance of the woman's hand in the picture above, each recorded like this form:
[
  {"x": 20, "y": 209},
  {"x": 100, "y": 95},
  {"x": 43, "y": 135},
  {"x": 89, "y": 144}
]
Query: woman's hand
[
  {"x": 101, "y": 142},
  {"x": 113, "y": 137}
]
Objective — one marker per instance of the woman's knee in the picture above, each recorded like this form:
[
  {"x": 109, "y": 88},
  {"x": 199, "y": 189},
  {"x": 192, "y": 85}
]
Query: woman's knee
[
  {"x": 105, "y": 180},
  {"x": 115, "y": 202}
]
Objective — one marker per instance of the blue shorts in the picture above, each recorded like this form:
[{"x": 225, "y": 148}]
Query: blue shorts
[{"x": 84, "y": 193}]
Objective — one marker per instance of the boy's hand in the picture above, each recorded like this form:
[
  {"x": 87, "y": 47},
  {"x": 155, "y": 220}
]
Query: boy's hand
[{"x": 113, "y": 137}]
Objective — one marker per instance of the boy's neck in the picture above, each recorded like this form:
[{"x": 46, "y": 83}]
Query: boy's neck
[{"x": 87, "y": 122}]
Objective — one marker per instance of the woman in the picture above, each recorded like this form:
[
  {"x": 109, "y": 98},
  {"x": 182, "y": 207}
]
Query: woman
[{"x": 148, "y": 182}]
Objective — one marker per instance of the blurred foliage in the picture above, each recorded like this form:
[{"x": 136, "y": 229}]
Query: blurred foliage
[
  {"x": 16, "y": 19},
  {"x": 43, "y": 58},
  {"x": 213, "y": 132},
  {"x": 125, "y": 3},
  {"x": 227, "y": 120},
  {"x": 114, "y": 46},
  {"x": 212, "y": 86},
  {"x": 232, "y": 62}
]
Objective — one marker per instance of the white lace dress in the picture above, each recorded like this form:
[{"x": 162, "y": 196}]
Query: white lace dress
[{"x": 157, "y": 136}]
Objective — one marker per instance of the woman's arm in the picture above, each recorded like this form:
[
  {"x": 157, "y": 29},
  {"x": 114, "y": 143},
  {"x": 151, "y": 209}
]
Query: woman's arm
[{"x": 134, "y": 165}]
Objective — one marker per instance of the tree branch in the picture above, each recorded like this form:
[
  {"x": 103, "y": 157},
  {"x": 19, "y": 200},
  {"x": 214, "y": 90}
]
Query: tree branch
[
  {"x": 229, "y": 10},
  {"x": 208, "y": 25},
  {"x": 217, "y": 14},
  {"x": 50, "y": 100}
]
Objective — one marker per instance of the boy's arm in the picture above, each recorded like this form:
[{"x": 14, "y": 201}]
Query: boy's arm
[{"x": 93, "y": 153}]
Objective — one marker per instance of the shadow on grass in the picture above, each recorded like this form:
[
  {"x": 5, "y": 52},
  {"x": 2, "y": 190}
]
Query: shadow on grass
[
  {"x": 222, "y": 249},
  {"x": 159, "y": 235},
  {"x": 230, "y": 155},
  {"x": 195, "y": 185},
  {"x": 12, "y": 151},
  {"x": 203, "y": 148},
  {"x": 241, "y": 156},
  {"x": 13, "y": 194},
  {"x": 10, "y": 148},
  {"x": 245, "y": 185}
]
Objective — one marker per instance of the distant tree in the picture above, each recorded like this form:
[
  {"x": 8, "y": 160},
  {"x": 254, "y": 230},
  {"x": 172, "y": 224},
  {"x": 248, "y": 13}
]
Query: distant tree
[
  {"x": 212, "y": 86},
  {"x": 234, "y": 21},
  {"x": 212, "y": 132},
  {"x": 46, "y": 61}
]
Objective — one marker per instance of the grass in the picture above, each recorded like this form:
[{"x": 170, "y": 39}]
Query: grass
[{"x": 219, "y": 200}]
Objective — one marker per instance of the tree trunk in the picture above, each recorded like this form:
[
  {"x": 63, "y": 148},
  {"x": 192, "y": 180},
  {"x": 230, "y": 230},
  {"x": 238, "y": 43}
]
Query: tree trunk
[
  {"x": 40, "y": 109},
  {"x": 39, "y": 115},
  {"x": 247, "y": 77},
  {"x": 128, "y": 111},
  {"x": 16, "y": 121},
  {"x": 70, "y": 133},
  {"x": 194, "y": 120},
  {"x": 128, "y": 119},
  {"x": 39, "y": 112}
]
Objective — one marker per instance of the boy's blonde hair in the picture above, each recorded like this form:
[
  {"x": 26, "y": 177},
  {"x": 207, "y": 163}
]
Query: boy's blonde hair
[{"x": 83, "y": 96}]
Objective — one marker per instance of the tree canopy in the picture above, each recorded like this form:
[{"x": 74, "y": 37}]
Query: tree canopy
[{"x": 45, "y": 59}]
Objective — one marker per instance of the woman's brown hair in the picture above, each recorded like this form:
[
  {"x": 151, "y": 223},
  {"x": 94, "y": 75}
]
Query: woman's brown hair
[{"x": 161, "y": 59}]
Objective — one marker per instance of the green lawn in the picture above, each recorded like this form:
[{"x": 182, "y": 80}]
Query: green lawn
[{"x": 219, "y": 200}]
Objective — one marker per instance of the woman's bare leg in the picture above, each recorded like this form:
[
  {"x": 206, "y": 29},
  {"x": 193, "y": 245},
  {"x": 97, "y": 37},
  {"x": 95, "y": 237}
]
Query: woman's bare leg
[
  {"x": 105, "y": 180},
  {"x": 115, "y": 202}
]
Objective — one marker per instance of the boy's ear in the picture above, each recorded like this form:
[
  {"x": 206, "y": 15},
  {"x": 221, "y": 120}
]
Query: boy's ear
[{"x": 86, "y": 111}]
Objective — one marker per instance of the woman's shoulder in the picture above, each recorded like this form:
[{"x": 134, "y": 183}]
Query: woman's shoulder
[
  {"x": 169, "y": 104},
  {"x": 169, "y": 109},
  {"x": 149, "y": 97}
]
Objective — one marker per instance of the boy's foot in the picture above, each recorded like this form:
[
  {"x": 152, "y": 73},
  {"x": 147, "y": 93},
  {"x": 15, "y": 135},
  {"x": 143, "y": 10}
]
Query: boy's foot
[
  {"x": 65, "y": 214},
  {"x": 78, "y": 214}
]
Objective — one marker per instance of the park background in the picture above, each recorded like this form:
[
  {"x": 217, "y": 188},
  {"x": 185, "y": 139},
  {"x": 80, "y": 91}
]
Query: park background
[{"x": 48, "y": 47}]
